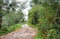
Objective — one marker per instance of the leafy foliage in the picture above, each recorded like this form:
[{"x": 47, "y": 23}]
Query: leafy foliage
[
  {"x": 13, "y": 18},
  {"x": 6, "y": 29},
  {"x": 47, "y": 20},
  {"x": 6, "y": 6}
]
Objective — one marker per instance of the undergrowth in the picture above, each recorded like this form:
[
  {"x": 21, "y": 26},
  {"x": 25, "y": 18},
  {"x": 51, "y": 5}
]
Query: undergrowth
[{"x": 6, "y": 29}]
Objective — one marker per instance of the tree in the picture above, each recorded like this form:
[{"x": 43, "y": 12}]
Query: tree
[
  {"x": 1, "y": 5},
  {"x": 5, "y": 5},
  {"x": 49, "y": 18}
]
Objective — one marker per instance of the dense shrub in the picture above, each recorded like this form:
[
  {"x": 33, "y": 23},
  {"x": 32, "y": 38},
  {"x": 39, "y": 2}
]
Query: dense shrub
[
  {"x": 6, "y": 29},
  {"x": 45, "y": 16},
  {"x": 13, "y": 18}
]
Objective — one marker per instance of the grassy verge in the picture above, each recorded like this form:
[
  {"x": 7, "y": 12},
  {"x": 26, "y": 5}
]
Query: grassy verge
[
  {"x": 6, "y": 30},
  {"x": 35, "y": 26},
  {"x": 37, "y": 37}
]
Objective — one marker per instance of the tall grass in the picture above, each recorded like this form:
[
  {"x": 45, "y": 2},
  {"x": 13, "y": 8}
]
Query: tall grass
[{"x": 6, "y": 29}]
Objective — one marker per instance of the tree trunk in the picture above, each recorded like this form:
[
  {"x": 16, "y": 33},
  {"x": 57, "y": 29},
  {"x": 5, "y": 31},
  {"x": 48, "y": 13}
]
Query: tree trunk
[{"x": 0, "y": 21}]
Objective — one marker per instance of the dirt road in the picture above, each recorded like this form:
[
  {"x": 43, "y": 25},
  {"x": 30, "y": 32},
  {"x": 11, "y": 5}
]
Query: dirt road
[{"x": 25, "y": 32}]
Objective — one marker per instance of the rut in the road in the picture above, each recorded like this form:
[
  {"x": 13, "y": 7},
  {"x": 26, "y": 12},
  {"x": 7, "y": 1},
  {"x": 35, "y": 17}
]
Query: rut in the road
[{"x": 25, "y": 32}]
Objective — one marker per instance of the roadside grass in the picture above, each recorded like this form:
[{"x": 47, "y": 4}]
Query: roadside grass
[
  {"x": 37, "y": 37},
  {"x": 6, "y": 29},
  {"x": 35, "y": 26}
]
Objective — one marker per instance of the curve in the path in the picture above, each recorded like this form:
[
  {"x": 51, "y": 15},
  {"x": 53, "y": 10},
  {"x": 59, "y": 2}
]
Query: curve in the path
[{"x": 25, "y": 32}]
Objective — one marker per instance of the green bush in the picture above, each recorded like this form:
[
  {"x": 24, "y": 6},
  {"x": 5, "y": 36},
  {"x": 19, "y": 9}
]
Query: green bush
[
  {"x": 44, "y": 20},
  {"x": 6, "y": 30}
]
